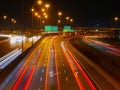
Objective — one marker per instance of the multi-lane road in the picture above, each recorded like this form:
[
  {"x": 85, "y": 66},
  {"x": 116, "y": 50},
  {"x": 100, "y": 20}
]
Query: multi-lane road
[{"x": 53, "y": 65}]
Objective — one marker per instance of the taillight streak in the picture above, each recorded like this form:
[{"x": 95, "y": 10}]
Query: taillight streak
[
  {"x": 82, "y": 71},
  {"x": 20, "y": 79}
]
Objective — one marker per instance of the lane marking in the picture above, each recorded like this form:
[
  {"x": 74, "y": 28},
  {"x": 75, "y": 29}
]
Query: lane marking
[
  {"x": 41, "y": 79},
  {"x": 66, "y": 79},
  {"x": 64, "y": 71},
  {"x": 44, "y": 64},
  {"x": 27, "y": 83},
  {"x": 62, "y": 60},
  {"x": 43, "y": 70}
]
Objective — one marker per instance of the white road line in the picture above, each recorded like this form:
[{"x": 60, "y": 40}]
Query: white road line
[
  {"x": 44, "y": 64},
  {"x": 45, "y": 60},
  {"x": 64, "y": 71},
  {"x": 67, "y": 79},
  {"x": 43, "y": 70},
  {"x": 60, "y": 57},
  {"x": 41, "y": 79}
]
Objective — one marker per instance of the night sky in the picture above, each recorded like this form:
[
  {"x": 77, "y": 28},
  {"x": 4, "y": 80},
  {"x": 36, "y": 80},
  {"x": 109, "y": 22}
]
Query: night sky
[{"x": 84, "y": 12}]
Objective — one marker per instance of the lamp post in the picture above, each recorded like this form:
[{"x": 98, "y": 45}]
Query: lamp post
[
  {"x": 32, "y": 10},
  {"x": 47, "y": 6},
  {"x": 71, "y": 21},
  {"x": 59, "y": 21},
  {"x": 4, "y": 17},
  {"x": 67, "y": 18},
  {"x": 39, "y": 2},
  {"x": 116, "y": 21}
]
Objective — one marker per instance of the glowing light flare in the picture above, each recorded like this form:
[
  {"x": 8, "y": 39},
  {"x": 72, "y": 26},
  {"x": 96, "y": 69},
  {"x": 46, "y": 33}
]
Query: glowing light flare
[
  {"x": 71, "y": 20},
  {"x": 116, "y": 18},
  {"x": 32, "y": 10},
  {"x": 59, "y": 21},
  {"x": 59, "y": 13},
  {"x": 39, "y": 2},
  {"x": 47, "y": 5},
  {"x": 4, "y": 35},
  {"x": 35, "y": 13},
  {"x": 67, "y": 18},
  {"x": 5, "y": 17},
  {"x": 43, "y": 10},
  {"x": 16, "y": 39},
  {"x": 46, "y": 16}
]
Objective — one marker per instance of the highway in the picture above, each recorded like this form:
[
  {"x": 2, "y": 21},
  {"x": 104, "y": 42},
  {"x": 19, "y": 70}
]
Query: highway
[
  {"x": 10, "y": 43},
  {"x": 55, "y": 65}
]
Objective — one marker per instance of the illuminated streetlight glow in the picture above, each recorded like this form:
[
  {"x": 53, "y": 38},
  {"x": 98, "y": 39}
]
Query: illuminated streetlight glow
[
  {"x": 59, "y": 13},
  {"x": 38, "y": 16},
  {"x": 71, "y": 20},
  {"x": 67, "y": 18},
  {"x": 36, "y": 13},
  {"x": 43, "y": 10},
  {"x": 47, "y": 5},
  {"x": 12, "y": 20},
  {"x": 43, "y": 21},
  {"x": 32, "y": 9},
  {"x": 39, "y": 2},
  {"x": 5, "y": 17},
  {"x": 46, "y": 16},
  {"x": 116, "y": 18},
  {"x": 59, "y": 21}
]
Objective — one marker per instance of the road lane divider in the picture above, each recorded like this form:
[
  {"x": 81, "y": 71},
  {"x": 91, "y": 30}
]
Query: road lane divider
[{"x": 57, "y": 75}]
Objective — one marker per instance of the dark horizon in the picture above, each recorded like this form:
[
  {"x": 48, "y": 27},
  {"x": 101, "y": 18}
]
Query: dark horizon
[{"x": 84, "y": 12}]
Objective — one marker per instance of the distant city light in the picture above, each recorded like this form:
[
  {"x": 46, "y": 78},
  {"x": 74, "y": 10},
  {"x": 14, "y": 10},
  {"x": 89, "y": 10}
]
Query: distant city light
[{"x": 116, "y": 18}]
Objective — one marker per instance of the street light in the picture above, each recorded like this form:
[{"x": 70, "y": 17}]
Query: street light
[
  {"x": 39, "y": 2},
  {"x": 43, "y": 22},
  {"x": 4, "y": 17},
  {"x": 43, "y": 10},
  {"x": 32, "y": 10},
  {"x": 67, "y": 18},
  {"x": 36, "y": 13},
  {"x": 59, "y": 14},
  {"x": 71, "y": 20},
  {"x": 59, "y": 21},
  {"x": 116, "y": 19},
  {"x": 47, "y": 5}
]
